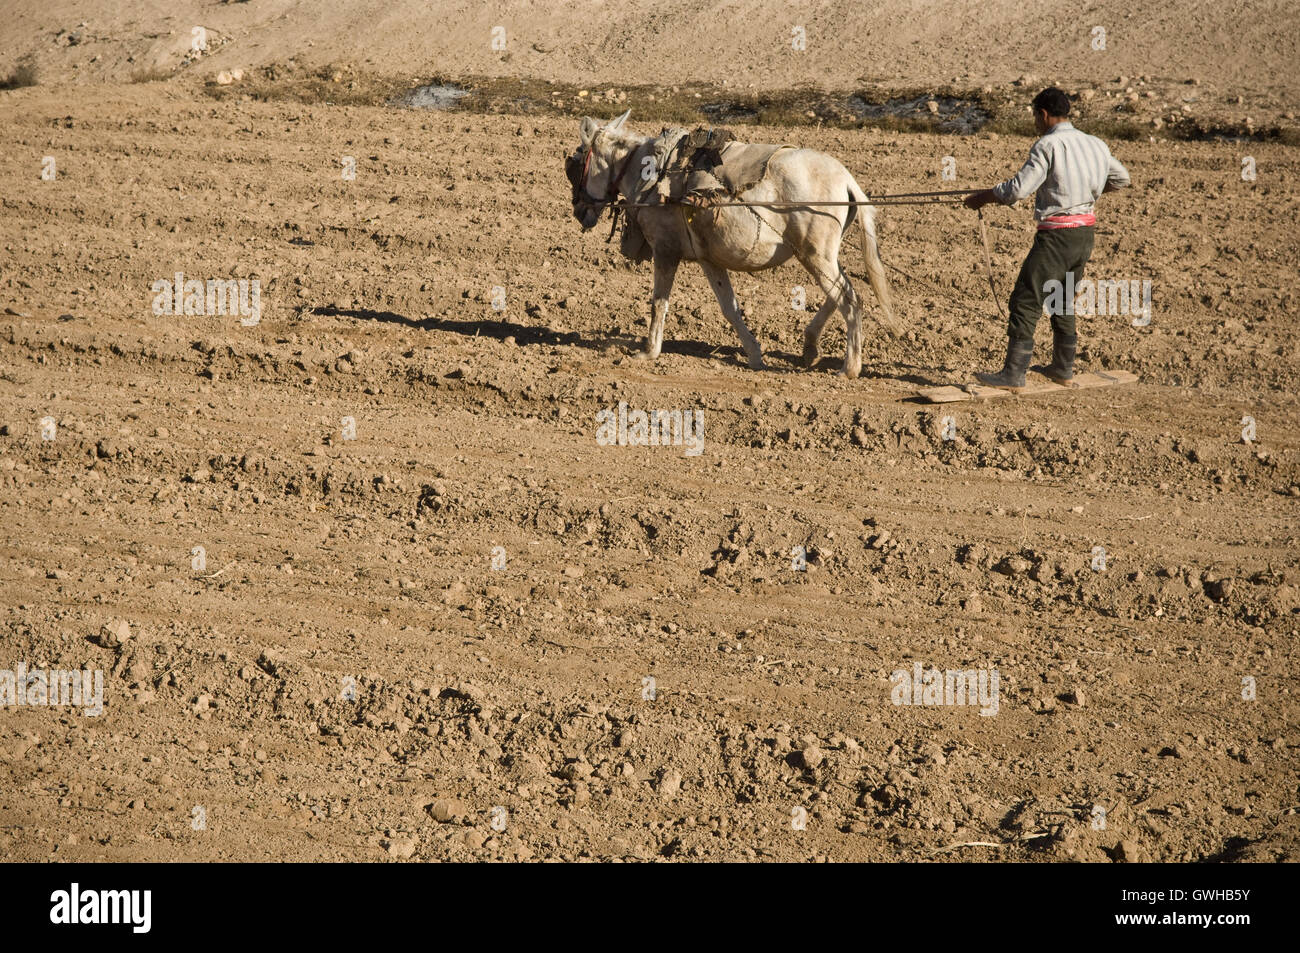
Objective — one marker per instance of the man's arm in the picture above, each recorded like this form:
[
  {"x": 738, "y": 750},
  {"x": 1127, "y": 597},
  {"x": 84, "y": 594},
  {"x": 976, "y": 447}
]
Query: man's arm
[
  {"x": 1020, "y": 186},
  {"x": 1117, "y": 176}
]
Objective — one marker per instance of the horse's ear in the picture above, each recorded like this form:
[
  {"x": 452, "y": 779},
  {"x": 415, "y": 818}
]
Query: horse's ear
[
  {"x": 589, "y": 129},
  {"x": 617, "y": 124}
]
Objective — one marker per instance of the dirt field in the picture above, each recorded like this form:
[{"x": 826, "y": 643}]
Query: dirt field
[{"x": 345, "y": 676}]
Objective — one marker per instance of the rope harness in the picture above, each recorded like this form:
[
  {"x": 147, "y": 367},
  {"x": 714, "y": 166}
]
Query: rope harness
[{"x": 897, "y": 198}]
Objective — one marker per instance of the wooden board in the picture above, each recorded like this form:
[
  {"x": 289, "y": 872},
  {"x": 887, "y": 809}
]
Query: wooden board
[{"x": 1035, "y": 384}]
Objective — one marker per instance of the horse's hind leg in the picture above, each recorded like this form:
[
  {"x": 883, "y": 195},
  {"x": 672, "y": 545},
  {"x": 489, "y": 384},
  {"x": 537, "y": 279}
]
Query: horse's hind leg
[
  {"x": 813, "y": 332},
  {"x": 834, "y": 284},
  {"x": 721, "y": 284}
]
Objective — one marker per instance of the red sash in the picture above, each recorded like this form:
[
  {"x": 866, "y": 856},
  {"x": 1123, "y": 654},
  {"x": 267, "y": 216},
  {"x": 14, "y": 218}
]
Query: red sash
[{"x": 1067, "y": 221}]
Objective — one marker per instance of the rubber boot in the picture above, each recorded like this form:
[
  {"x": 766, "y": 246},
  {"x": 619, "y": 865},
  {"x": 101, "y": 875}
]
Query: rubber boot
[
  {"x": 1012, "y": 375},
  {"x": 1061, "y": 369}
]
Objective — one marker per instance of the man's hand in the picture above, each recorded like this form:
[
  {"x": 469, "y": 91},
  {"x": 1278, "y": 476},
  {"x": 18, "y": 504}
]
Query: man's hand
[{"x": 977, "y": 200}]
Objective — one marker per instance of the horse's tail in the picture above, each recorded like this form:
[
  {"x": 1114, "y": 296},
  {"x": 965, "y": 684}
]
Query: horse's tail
[{"x": 871, "y": 257}]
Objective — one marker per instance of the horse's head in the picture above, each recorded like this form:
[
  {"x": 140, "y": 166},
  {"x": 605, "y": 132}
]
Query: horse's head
[{"x": 590, "y": 170}]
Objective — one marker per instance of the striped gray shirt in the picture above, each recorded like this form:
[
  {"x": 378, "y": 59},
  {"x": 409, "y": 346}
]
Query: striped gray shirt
[{"x": 1069, "y": 169}]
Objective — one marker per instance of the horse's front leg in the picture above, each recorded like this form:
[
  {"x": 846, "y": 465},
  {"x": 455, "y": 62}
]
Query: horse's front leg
[
  {"x": 665, "y": 272},
  {"x": 726, "y": 296}
]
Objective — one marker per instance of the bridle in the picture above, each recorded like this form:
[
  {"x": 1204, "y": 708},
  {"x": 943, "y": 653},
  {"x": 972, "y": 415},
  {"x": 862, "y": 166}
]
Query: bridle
[{"x": 579, "y": 180}]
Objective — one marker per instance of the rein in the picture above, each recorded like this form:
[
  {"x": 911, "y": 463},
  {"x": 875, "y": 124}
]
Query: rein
[{"x": 896, "y": 198}]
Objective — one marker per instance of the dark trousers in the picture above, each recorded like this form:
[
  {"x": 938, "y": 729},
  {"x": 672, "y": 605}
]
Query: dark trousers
[{"x": 1057, "y": 253}]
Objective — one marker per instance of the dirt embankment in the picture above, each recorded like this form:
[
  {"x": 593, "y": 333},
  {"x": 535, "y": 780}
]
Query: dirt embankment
[{"x": 1239, "y": 55}]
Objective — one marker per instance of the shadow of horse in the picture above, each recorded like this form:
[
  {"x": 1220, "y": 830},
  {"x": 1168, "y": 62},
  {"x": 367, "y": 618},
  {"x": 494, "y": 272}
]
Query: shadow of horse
[
  {"x": 528, "y": 335},
  {"x": 533, "y": 335}
]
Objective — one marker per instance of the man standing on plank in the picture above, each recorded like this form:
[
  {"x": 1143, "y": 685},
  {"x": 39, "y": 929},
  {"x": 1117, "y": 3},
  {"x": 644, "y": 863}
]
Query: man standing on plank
[{"x": 1069, "y": 169}]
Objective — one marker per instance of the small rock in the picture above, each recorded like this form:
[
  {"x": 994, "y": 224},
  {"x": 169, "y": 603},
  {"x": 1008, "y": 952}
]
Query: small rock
[
  {"x": 1220, "y": 590},
  {"x": 402, "y": 846},
  {"x": 445, "y": 810},
  {"x": 670, "y": 782},
  {"x": 1128, "y": 851},
  {"x": 576, "y": 771},
  {"x": 115, "y": 634},
  {"x": 1014, "y": 565}
]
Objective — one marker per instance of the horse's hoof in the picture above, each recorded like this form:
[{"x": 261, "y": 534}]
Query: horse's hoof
[
  {"x": 852, "y": 372},
  {"x": 810, "y": 355}
]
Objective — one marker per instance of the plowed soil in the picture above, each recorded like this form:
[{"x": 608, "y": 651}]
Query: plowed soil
[{"x": 646, "y": 675}]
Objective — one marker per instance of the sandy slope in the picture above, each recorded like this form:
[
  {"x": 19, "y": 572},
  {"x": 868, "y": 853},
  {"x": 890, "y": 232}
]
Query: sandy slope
[{"x": 1236, "y": 46}]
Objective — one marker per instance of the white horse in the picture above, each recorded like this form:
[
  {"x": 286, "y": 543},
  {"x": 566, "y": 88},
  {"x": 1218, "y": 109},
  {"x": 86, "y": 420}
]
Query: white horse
[{"x": 611, "y": 160}]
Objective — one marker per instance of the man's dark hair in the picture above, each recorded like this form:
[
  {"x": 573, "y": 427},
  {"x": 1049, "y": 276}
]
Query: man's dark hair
[{"x": 1054, "y": 101}]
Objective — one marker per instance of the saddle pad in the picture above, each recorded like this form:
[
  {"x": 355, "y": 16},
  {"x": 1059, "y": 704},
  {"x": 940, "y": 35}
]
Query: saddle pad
[{"x": 744, "y": 164}]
